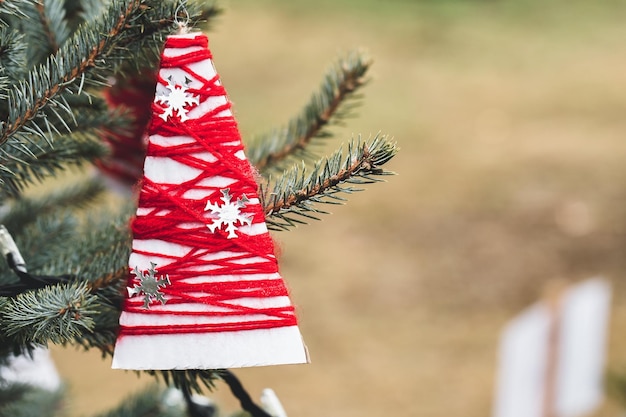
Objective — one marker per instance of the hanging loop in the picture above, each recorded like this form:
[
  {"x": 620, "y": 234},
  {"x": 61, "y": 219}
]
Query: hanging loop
[{"x": 181, "y": 17}]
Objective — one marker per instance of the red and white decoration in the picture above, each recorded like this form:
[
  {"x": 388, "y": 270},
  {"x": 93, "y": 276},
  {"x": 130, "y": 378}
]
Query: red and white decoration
[{"x": 204, "y": 290}]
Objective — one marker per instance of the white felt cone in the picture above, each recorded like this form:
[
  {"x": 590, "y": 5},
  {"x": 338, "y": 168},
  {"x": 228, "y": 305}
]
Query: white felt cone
[{"x": 204, "y": 290}]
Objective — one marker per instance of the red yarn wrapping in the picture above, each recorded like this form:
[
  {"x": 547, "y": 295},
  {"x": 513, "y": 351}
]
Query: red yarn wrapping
[{"x": 186, "y": 221}]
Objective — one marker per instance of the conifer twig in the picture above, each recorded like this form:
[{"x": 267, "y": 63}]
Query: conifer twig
[
  {"x": 13, "y": 7},
  {"x": 108, "y": 280},
  {"x": 190, "y": 380},
  {"x": 12, "y": 57},
  {"x": 146, "y": 403},
  {"x": 103, "y": 44},
  {"x": 59, "y": 83},
  {"x": 295, "y": 193},
  {"x": 45, "y": 23},
  {"x": 57, "y": 314},
  {"x": 340, "y": 83},
  {"x": 38, "y": 162},
  {"x": 27, "y": 210}
]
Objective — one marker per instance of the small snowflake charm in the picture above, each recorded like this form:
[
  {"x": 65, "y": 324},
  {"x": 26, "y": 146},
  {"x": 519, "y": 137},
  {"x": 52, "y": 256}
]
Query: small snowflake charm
[
  {"x": 149, "y": 285},
  {"x": 177, "y": 99},
  {"x": 228, "y": 213}
]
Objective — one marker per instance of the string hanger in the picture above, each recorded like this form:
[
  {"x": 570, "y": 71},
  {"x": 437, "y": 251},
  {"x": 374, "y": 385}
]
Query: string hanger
[{"x": 182, "y": 23}]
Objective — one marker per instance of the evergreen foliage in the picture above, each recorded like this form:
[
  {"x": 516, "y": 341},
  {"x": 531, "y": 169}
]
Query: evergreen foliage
[
  {"x": 148, "y": 403},
  {"x": 18, "y": 400},
  {"x": 294, "y": 195},
  {"x": 329, "y": 104},
  {"x": 55, "y": 58}
]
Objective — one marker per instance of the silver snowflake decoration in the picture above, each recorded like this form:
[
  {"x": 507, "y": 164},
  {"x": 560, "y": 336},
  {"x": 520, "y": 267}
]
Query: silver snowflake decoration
[
  {"x": 176, "y": 100},
  {"x": 228, "y": 213},
  {"x": 149, "y": 285}
]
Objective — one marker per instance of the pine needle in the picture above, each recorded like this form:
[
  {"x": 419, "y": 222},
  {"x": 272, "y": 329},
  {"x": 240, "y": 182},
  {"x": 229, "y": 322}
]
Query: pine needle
[
  {"x": 329, "y": 104},
  {"x": 295, "y": 195}
]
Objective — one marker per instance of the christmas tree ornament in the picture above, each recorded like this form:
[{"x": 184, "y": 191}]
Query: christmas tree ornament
[{"x": 204, "y": 288}]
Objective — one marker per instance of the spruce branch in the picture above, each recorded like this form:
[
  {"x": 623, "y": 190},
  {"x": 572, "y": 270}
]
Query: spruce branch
[
  {"x": 295, "y": 195},
  {"x": 104, "y": 332},
  {"x": 102, "y": 246},
  {"x": 189, "y": 380},
  {"x": 24, "y": 211},
  {"x": 45, "y": 23},
  {"x": 51, "y": 14},
  {"x": 12, "y": 393},
  {"x": 22, "y": 400},
  {"x": 45, "y": 29},
  {"x": 39, "y": 161},
  {"x": 56, "y": 314},
  {"x": 13, "y": 7},
  {"x": 13, "y": 49},
  {"x": 46, "y": 102},
  {"x": 118, "y": 36},
  {"x": 108, "y": 280},
  {"x": 87, "y": 47},
  {"x": 78, "y": 12},
  {"x": 108, "y": 287},
  {"x": 328, "y": 104},
  {"x": 42, "y": 241},
  {"x": 147, "y": 403}
]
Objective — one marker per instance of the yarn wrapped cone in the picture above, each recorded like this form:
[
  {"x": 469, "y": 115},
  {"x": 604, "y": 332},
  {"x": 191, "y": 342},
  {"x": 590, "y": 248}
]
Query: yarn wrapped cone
[{"x": 204, "y": 288}]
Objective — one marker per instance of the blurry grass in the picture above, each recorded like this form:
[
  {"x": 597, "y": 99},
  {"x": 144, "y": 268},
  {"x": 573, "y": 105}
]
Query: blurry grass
[{"x": 510, "y": 116}]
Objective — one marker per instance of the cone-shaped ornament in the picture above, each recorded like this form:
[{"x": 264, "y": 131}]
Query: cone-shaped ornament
[{"x": 204, "y": 288}]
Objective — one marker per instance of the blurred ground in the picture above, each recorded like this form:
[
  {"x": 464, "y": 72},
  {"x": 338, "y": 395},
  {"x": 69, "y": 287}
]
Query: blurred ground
[{"x": 511, "y": 119}]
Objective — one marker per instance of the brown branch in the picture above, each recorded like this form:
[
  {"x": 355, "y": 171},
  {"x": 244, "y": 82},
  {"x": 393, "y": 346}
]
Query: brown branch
[
  {"x": 109, "y": 279},
  {"x": 349, "y": 84},
  {"x": 363, "y": 163},
  {"x": 45, "y": 22},
  {"x": 85, "y": 64}
]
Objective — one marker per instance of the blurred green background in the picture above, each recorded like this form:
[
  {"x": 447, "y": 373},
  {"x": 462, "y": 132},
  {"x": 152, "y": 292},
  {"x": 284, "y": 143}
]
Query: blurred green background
[{"x": 511, "y": 120}]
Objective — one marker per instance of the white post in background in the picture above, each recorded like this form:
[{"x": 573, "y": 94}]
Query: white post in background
[{"x": 551, "y": 357}]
